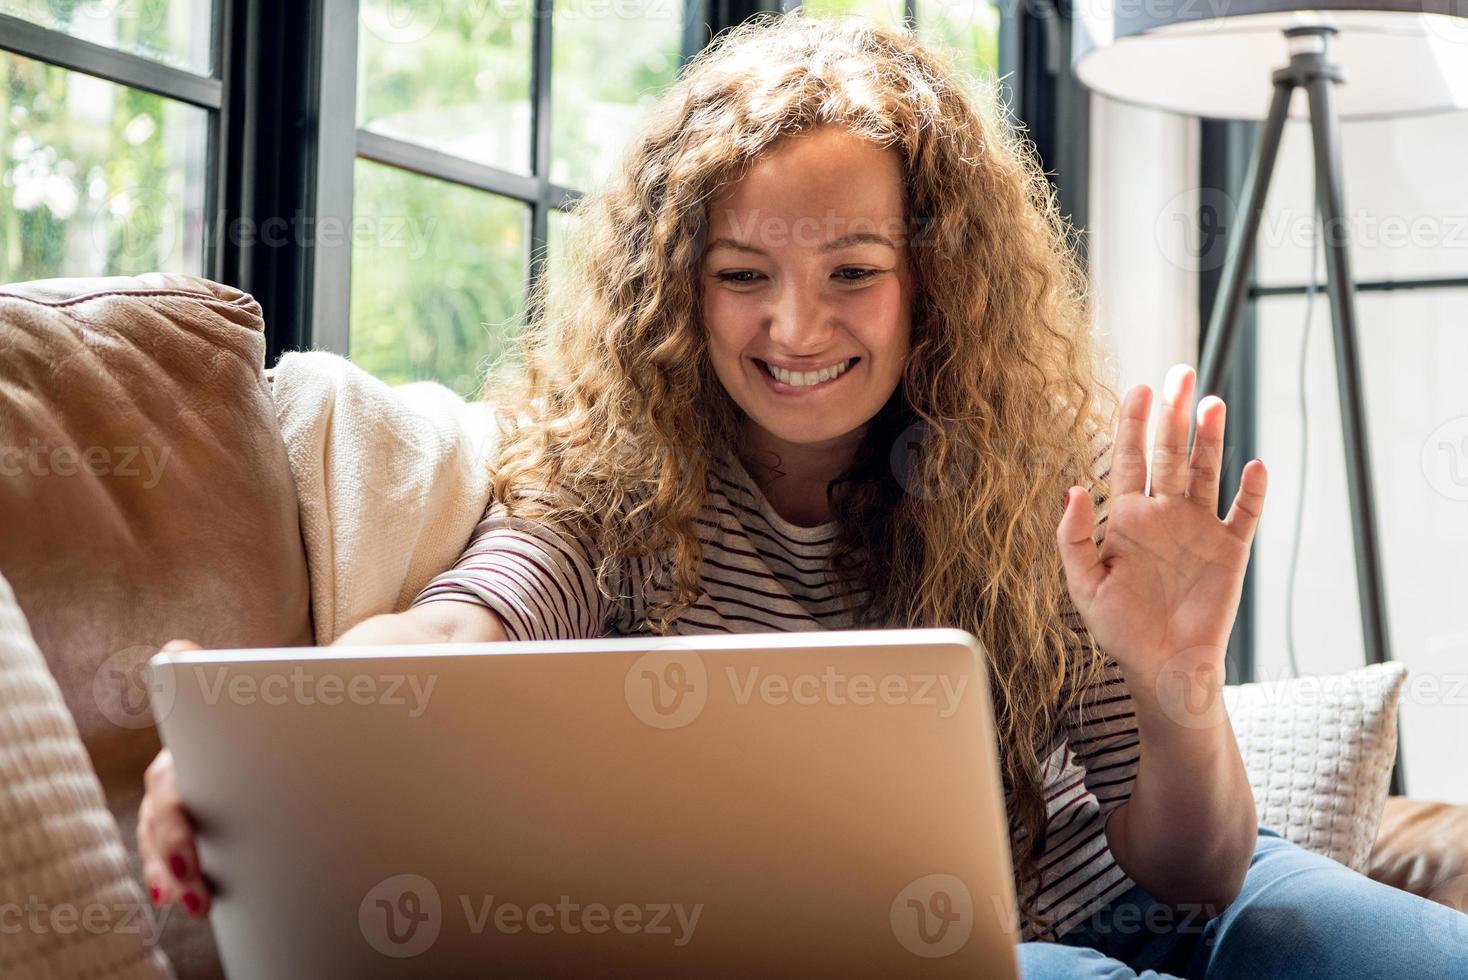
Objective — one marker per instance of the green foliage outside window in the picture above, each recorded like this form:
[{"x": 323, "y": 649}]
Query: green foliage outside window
[
  {"x": 438, "y": 276},
  {"x": 455, "y": 76},
  {"x": 95, "y": 178}
]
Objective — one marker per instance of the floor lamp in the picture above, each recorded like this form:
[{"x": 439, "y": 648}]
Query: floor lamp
[{"x": 1345, "y": 59}]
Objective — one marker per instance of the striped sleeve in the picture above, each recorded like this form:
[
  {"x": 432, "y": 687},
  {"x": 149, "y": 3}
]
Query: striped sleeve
[
  {"x": 1102, "y": 727},
  {"x": 540, "y": 580},
  {"x": 1102, "y": 732}
]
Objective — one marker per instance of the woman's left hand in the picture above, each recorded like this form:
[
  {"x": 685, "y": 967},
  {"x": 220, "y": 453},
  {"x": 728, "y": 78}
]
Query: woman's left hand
[{"x": 1166, "y": 580}]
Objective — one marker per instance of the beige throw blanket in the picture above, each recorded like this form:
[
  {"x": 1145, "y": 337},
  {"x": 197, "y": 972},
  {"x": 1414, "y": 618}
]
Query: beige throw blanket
[{"x": 391, "y": 482}]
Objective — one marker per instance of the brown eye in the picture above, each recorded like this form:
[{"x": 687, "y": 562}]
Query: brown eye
[
  {"x": 861, "y": 274},
  {"x": 730, "y": 276}
]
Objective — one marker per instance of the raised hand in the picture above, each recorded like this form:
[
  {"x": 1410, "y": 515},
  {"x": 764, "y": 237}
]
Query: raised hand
[{"x": 1166, "y": 581}]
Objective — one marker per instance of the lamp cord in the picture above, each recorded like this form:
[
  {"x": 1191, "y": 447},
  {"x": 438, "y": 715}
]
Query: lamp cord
[{"x": 1304, "y": 442}]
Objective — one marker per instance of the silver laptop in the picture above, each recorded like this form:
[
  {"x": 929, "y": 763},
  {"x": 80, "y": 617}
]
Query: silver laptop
[{"x": 775, "y": 804}]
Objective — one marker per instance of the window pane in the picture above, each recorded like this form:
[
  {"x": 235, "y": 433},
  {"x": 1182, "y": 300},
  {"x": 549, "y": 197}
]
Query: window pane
[
  {"x": 886, "y": 12},
  {"x": 453, "y": 75},
  {"x": 611, "y": 61},
  {"x": 969, "y": 29},
  {"x": 438, "y": 274},
  {"x": 96, "y": 178},
  {"x": 175, "y": 32}
]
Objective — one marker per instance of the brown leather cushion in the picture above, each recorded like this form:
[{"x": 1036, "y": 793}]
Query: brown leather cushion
[
  {"x": 1422, "y": 847},
  {"x": 144, "y": 495}
]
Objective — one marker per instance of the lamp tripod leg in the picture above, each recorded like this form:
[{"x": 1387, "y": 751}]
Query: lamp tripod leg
[
  {"x": 1233, "y": 287},
  {"x": 1325, "y": 130}
]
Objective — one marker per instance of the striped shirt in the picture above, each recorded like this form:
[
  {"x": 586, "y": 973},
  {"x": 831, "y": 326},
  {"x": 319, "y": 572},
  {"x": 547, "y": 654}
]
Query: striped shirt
[{"x": 761, "y": 573}]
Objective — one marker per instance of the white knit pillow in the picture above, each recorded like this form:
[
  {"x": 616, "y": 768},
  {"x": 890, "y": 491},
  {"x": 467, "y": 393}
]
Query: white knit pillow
[
  {"x": 71, "y": 908},
  {"x": 1319, "y": 752}
]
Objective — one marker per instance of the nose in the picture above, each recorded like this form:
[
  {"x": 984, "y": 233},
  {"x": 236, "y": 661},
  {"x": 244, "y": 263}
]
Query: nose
[{"x": 800, "y": 321}]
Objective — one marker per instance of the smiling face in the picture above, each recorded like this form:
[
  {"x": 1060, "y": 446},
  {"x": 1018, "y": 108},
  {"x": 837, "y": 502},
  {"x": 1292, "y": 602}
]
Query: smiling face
[{"x": 807, "y": 290}]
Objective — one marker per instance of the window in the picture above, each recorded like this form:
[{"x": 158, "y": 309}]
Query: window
[
  {"x": 389, "y": 179},
  {"x": 476, "y": 123},
  {"x": 110, "y": 115}
]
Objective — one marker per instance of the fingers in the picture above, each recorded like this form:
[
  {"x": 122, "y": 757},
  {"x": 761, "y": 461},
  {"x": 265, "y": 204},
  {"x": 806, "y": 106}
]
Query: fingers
[
  {"x": 166, "y": 842},
  {"x": 1129, "y": 451},
  {"x": 1248, "y": 505},
  {"x": 1078, "y": 550},
  {"x": 1170, "y": 452},
  {"x": 1207, "y": 453}
]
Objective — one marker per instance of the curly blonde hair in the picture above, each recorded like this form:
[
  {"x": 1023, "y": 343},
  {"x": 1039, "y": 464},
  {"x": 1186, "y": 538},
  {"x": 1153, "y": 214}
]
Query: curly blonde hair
[{"x": 615, "y": 354}]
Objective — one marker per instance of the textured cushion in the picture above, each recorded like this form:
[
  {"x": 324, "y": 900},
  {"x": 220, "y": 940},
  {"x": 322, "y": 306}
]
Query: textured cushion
[
  {"x": 145, "y": 495},
  {"x": 1422, "y": 847},
  {"x": 1319, "y": 751},
  {"x": 74, "y": 909}
]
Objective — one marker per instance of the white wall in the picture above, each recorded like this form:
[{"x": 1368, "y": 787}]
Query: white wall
[{"x": 1144, "y": 175}]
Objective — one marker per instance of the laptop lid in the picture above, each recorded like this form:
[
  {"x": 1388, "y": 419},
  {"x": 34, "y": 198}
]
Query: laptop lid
[{"x": 824, "y": 803}]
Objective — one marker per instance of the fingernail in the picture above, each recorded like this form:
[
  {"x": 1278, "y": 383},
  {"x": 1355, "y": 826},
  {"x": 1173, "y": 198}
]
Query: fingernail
[
  {"x": 176, "y": 862},
  {"x": 154, "y": 893},
  {"x": 1065, "y": 501},
  {"x": 191, "y": 902}
]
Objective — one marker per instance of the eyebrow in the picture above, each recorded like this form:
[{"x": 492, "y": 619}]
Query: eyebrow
[{"x": 845, "y": 241}]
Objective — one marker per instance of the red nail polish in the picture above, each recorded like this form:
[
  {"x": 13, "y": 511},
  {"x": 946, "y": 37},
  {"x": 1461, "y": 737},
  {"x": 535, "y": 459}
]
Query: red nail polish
[
  {"x": 1065, "y": 502},
  {"x": 176, "y": 862},
  {"x": 154, "y": 893},
  {"x": 191, "y": 902}
]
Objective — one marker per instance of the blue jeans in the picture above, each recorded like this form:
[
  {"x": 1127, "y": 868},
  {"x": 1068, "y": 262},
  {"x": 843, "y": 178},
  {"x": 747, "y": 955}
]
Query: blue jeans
[{"x": 1299, "y": 915}]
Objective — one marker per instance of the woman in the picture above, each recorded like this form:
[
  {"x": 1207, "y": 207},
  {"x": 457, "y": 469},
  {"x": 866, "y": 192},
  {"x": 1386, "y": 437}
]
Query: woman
[{"x": 821, "y": 360}]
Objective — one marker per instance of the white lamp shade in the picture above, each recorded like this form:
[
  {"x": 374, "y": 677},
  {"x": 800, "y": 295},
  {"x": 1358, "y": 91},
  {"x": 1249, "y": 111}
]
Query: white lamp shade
[{"x": 1215, "y": 58}]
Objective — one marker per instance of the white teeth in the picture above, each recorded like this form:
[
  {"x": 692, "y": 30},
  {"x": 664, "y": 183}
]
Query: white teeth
[{"x": 801, "y": 379}]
